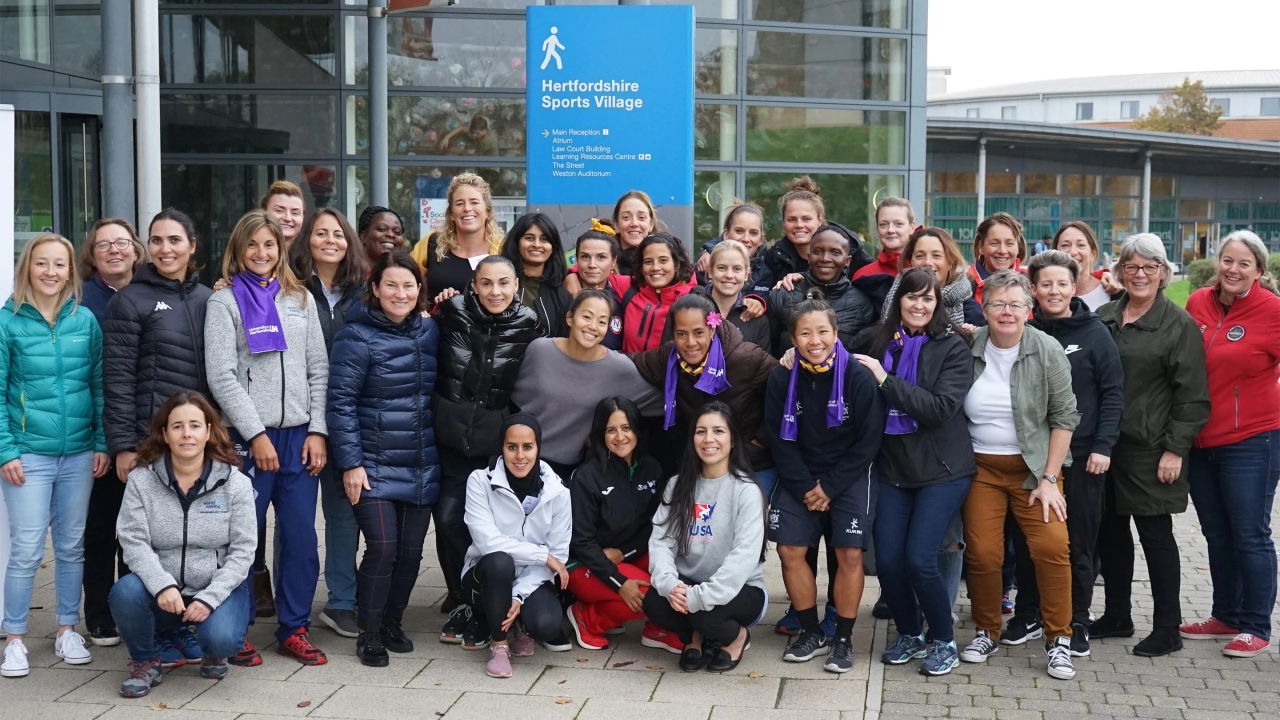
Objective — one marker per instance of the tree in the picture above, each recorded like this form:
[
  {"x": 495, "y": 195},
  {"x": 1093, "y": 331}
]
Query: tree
[{"x": 1184, "y": 109}]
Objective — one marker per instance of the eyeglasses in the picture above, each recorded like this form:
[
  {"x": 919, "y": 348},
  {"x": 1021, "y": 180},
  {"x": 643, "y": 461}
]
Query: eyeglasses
[
  {"x": 1016, "y": 307},
  {"x": 105, "y": 245},
  {"x": 1131, "y": 269}
]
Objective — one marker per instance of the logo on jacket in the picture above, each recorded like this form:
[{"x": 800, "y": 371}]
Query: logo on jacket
[
  {"x": 615, "y": 325},
  {"x": 160, "y": 305},
  {"x": 607, "y": 490},
  {"x": 651, "y": 486},
  {"x": 1071, "y": 348},
  {"x": 1235, "y": 333},
  {"x": 215, "y": 504}
]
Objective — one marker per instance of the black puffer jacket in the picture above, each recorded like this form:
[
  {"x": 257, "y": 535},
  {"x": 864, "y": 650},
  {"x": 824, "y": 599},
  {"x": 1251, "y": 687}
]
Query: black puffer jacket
[
  {"x": 853, "y": 309},
  {"x": 152, "y": 347},
  {"x": 333, "y": 318},
  {"x": 552, "y": 304},
  {"x": 480, "y": 356},
  {"x": 381, "y": 377}
]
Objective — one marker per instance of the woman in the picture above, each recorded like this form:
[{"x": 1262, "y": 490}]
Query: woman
[
  {"x": 661, "y": 277},
  {"x": 1098, "y": 383},
  {"x": 803, "y": 212},
  {"x": 895, "y": 221},
  {"x": 563, "y": 379},
  {"x": 597, "y": 253},
  {"x": 448, "y": 258},
  {"x": 106, "y": 262},
  {"x": 824, "y": 461},
  {"x": 1076, "y": 239},
  {"x": 1234, "y": 463},
  {"x": 269, "y": 371},
  {"x": 615, "y": 493},
  {"x": 635, "y": 219},
  {"x": 925, "y": 467},
  {"x": 51, "y": 440},
  {"x": 1165, "y": 406},
  {"x": 336, "y": 276},
  {"x": 934, "y": 247},
  {"x": 381, "y": 231},
  {"x": 189, "y": 566},
  {"x": 533, "y": 247},
  {"x": 483, "y": 337},
  {"x": 284, "y": 202},
  {"x": 379, "y": 417},
  {"x": 1021, "y": 413},
  {"x": 743, "y": 223},
  {"x": 830, "y": 252},
  {"x": 998, "y": 245},
  {"x": 706, "y": 552},
  {"x": 730, "y": 268},
  {"x": 519, "y": 516}
]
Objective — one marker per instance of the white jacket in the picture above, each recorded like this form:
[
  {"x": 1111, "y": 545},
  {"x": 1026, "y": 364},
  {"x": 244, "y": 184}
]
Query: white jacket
[{"x": 497, "y": 523}]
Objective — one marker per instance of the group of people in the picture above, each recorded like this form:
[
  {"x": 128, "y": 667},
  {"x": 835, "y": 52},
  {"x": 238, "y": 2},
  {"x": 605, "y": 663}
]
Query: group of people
[{"x": 620, "y": 439}]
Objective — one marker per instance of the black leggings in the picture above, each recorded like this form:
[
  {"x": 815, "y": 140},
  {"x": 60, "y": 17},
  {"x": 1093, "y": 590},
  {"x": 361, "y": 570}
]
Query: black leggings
[
  {"x": 488, "y": 587},
  {"x": 394, "y": 533},
  {"x": 721, "y": 623},
  {"x": 452, "y": 536}
]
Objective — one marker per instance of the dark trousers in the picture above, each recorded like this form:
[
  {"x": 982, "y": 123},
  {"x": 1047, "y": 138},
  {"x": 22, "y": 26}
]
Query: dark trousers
[
  {"x": 1009, "y": 569},
  {"x": 1164, "y": 566},
  {"x": 452, "y": 536},
  {"x": 103, "y": 560},
  {"x": 721, "y": 623},
  {"x": 1084, "y": 493},
  {"x": 909, "y": 529},
  {"x": 394, "y": 533},
  {"x": 488, "y": 587},
  {"x": 1234, "y": 487}
]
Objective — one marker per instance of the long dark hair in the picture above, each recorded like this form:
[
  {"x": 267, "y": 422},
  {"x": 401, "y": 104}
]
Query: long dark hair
[
  {"x": 352, "y": 269},
  {"x": 913, "y": 280},
  {"x": 680, "y": 508},
  {"x": 556, "y": 268},
  {"x": 597, "y": 450},
  {"x": 188, "y": 227},
  {"x": 695, "y": 299},
  {"x": 218, "y": 447},
  {"x": 684, "y": 268},
  {"x": 386, "y": 261}
]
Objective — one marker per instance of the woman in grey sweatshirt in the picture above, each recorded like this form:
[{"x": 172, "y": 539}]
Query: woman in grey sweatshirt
[{"x": 706, "y": 554}]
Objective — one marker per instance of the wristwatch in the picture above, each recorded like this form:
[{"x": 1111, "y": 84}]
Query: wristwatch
[{"x": 1050, "y": 477}]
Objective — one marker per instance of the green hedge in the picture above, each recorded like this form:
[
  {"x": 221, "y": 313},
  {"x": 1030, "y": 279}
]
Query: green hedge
[{"x": 1200, "y": 272}]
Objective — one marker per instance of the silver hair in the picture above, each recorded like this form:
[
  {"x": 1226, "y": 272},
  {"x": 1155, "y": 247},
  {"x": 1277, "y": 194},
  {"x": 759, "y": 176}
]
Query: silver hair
[
  {"x": 1147, "y": 246},
  {"x": 1260, "y": 255},
  {"x": 1005, "y": 280}
]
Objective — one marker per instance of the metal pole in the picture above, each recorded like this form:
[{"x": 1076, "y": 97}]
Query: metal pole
[
  {"x": 147, "y": 85},
  {"x": 982, "y": 179},
  {"x": 8, "y": 196},
  {"x": 378, "y": 168},
  {"x": 117, "y": 110},
  {"x": 1146, "y": 191}
]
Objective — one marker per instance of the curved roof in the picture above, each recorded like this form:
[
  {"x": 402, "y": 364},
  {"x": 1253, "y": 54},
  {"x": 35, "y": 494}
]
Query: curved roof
[{"x": 1152, "y": 82}]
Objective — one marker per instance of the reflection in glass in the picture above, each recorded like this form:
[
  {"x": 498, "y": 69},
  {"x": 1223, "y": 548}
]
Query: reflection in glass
[
  {"x": 850, "y": 199},
  {"x": 796, "y": 134},
  {"x": 1121, "y": 185},
  {"x": 1081, "y": 184},
  {"x": 24, "y": 30},
  {"x": 722, "y": 9},
  {"x": 715, "y": 132},
  {"x": 434, "y": 125},
  {"x": 33, "y": 181},
  {"x": 838, "y": 67},
  {"x": 953, "y": 182},
  {"x": 713, "y": 193},
  {"x": 279, "y": 49},
  {"x": 409, "y": 185},
  {"x": 864, "y": 13},
  {"x": 1000, "y": 183},
  {"x": 1040, "y": 184},
  {"x": 440, "y": 52},
  {"x": 716, "y": 61},
  {"x": 265, "y": 124},
  {"x": 77, "y": 37}
]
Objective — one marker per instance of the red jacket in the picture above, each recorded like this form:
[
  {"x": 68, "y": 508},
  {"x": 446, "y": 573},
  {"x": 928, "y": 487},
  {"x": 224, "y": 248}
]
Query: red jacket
[
  {"x": 886, "y": 263},
  {"x": 1242, "y": 355},
  {"x": 978, "y": 277},
  {"x": 645, "y": 316}
]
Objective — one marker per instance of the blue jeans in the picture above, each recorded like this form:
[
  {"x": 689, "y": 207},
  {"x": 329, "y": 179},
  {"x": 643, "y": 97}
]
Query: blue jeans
[
  {"x": 768, "y": 480},
  {"x": 909, "y": 528},
  {"x": 55, "y": 496},
  {"x": 341, "y": 538},
  {"x": 1233, "y": 487},
  {"x": 138, "y": 619},
  {"x": 951, "y": 562}
]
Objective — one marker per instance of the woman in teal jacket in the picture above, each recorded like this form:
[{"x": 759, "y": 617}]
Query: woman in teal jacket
[{"x": 51, "y": 440}]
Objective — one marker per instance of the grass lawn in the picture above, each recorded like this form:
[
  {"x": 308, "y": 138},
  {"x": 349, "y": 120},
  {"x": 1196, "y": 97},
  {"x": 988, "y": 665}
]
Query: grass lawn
[{"x": 1178, "y": 291}]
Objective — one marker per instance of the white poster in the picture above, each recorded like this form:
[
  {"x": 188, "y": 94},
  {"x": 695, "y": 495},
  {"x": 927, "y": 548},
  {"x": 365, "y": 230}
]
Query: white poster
[{"x": 431, "y": 213}]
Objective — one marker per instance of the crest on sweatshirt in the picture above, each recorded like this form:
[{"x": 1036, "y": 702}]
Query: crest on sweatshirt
[
  {"x": 1235, "y": 333},
  {"x": 700, "y": 527}
]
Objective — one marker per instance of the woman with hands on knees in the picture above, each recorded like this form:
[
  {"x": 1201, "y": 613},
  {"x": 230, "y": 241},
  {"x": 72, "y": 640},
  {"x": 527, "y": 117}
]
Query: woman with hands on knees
[
  {"x": 519, "y": 515},
  {"x": 188, "y": 529}
]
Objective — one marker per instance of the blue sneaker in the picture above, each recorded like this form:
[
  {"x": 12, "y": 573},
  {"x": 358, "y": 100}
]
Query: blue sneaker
[
  {"x": 829, "y": 622},
  {"x": 170, "y": 654},
  {"x": 789, "y": 624},
  {"x": 905, "y": 649},
  {"x": 187, "y": 644},
  {"x": 941, "y": 660}
]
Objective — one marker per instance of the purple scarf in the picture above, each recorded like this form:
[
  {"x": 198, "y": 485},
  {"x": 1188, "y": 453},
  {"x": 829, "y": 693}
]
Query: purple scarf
[
  {"x": 710, "y": 374},
  {"x": 256, "y": 299},
  {"x": 898, "y": 422},
  {"x": 835, "y": 364}
]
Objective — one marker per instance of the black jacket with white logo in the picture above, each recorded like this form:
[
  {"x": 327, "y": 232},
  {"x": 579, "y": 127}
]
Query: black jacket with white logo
[{"x": 613, "y": 507}]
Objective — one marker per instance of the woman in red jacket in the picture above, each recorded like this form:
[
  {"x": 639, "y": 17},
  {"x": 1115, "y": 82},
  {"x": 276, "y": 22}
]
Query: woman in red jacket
[
  {"x": 1236, "y": 458},
  {"x": 662, "y": 276},
  {"x": 999, "y": 245}
]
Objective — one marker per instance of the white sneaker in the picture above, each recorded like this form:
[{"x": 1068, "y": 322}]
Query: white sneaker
[
  {"x": 70, "y": 647},
  {"x": 15, "y": 660}
]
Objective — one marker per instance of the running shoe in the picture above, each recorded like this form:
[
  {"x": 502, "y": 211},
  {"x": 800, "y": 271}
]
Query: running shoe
[
  {"x": 456, "y": 625},
  {"x": 655, "y": 637},
  {"x": 840, "y": 659},
  {"x": 789, "y": 624},
  {"x": 142, "y": 677},
  {"x": 806, "y": 647},
  {"x": 905, "y": 649},
  {"x": 1019, "y": 630},
  {"x": 941, "y": 660},
  {"x": 298, "y": 646},
  {"x": 247, "y": 657},
  {"x": 980, "y": 648}
]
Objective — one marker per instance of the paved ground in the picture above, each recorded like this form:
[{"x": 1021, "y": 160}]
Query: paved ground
[{"x": 631, "y": 681}]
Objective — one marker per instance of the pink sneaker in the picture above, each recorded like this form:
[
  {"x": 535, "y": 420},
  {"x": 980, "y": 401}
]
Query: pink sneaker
[
  {"x": 656, "y": 637},
  {"x": 499, "y": 665},
  {"x": 1246, "y": 646},
  {"x": 1211, "y": 629},
  {"x": 521, "y": 643}
]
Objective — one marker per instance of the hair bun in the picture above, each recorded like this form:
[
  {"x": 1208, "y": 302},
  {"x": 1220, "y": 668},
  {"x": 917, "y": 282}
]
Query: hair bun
[
  {"x": 804, "y": 183},
  {"x": 814, "y": 294}
]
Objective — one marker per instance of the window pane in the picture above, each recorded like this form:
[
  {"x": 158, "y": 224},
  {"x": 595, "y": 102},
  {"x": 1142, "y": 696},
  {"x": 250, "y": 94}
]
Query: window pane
[
  {"x": 715, "y": 132},
  {"x": 1082, "y": 184},
  {"x": 1042, "y": 208},
  {"x": 24, "y": 30},
  {"x": 1082, "y": 208},
  {"x": 791, "y": 134},
  {"x": 1270, "y": 107},
  {"x": 286, "y": 50},
  {"x": 1000, "y": 183},
  {"x": 33, "y": 178},
  {"x": 717, "y": 9},
  {"x": 857, "y": 197},
  {"x": 1009, "y": 112},
  {"x": 955, "y": 206},
  {"x": 249, "y": 123},
  {"x": 1163, "y": 186},
  {"x": 716, "y": 62},
  {"x": 1084, "y": 111},
  {"x": 953, "y": 182},
  {"x": 440, "y": 52},
  {"x": 973, "y": 113},
  {"x": 1037, "y": 184},
  {"x": 864, "y": 13},
  {"x": 825, "y": 66},
  {"x": 1196, "y": 209},
  {"x": 1124, "y": 208},
  {"x": 77, "y": 37},
  {"x": 1166, "y": 208},
  {"x": 409, "y": 184},
  {"x": 1002, "y": 204},
  {"x": 713, "y": 193},
  {"x": 434, "y": 125},
  {"x": 1121, "y": 185}
]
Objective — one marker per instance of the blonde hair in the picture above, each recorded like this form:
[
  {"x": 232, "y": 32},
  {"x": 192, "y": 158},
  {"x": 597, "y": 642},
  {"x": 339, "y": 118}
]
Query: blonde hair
[
  {"x": 896, "y": 202},
  {"x": 84, "y": 257},
  {"x": 803, "y": 189},
  {"x": 246, "y": 227},
  {"x": 282, "y": 187},
  {"x": 643, "y": 197},
  {"x": 447, "y": 240},
  {"x": 728, "y": 246},
  {"x": 22, "y": 292}
]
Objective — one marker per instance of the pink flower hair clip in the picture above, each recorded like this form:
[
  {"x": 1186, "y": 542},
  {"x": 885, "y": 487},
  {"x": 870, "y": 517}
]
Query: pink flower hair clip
[{"x": 714, "y": 320}]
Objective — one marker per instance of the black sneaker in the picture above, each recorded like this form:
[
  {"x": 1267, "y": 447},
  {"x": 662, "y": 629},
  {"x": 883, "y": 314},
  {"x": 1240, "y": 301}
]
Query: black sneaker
[
  {"x": 342, "y": 622},
  {"x": 841, "y": 658},
  {"x": 880, "y": 610},
  {"x": 1059, "y": 652},
  {"x": 979, "y": 648},
  {"x": 1111, "y": 626},
  {"x": 370, "y": 650},
  {"x": 1079, "y": 640},
  {"x": 455, "y": 625},
  {"x": 476, "y": 636},
  {"x": 1020, "y": 630},
  {"x": 1160, "y": 642},
  {"x": 559, "y": 643},
  {"x": 807, "y": 646},
  {"x": 393, "y": 638},
  {"x": 104, "y": 636}
]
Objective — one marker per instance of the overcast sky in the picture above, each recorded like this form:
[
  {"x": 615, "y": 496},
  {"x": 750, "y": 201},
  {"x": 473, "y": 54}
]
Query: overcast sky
[{"x": 995, "y": 42}]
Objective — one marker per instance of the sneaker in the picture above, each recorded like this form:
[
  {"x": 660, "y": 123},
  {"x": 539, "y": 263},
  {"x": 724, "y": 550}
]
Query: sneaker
[
  {"x": 247, "y": 657},
  {"x": 70, "y": 647},
  {"x": 840, "y": 660},
  {"x": 1019, "y": 630},
  {"x": 806, "y": 647},
  {"x": 499, "y": 665},
  {"x": 476, "y": 635},
  {"x": 371, "y": 651},
  {"x": 1079, "y": 640},
  {"x": 142, "y": 677},
  {"x": 170, "y": 654},
  {"x": 1160, "y": 642},
  {"x": 829, "y": 622},
  {"x": 905, "y": 649},
  {"x": 980, "y": 648},
  {"x": 559, "y": 643},
  {"x": 1059, "y": 652},
  {"x": 655, "y": 637},
  {"x": 1006, "y": 605},
  {"x": 342, "y": 622},
  {"x": 520, "y": 643},
  {"x": 1111, "y": 626},
  {"x": 105, "y": 636},
  {"x": 881, "y": 609},
  {"x": 789, "y": 624},
  {"x": 212, "y": 668},
  {"x": 1211, "y": 629},
  {"x": 393, "y": 637},
  {"x": 586, "y": 639},
  {"x": 456, "y": 625},
  {"x": 298, "y": 646},
  {"x": 187, "y": 644},
  {"x": 1246, "y": 646},
  {"x": 941, "y": 660},
  {"x": 15, "y": 663}
]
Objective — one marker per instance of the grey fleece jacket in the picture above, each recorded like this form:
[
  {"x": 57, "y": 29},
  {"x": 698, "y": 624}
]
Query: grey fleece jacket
[
  {"x": 205, "y": 552},
  {"x": 270, "y": 389}
]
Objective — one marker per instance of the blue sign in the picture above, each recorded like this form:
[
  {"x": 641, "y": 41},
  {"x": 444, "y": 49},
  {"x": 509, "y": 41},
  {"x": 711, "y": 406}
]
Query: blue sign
[{"x": 604, "y": 118}]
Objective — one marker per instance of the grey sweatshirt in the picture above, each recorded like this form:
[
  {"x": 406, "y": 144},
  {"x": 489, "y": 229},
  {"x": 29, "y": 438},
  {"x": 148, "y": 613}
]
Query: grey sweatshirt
[
  {"x": 205, "y": 552},
  {"x": 270, "y": 389},
  {"x": 726, "y": 537},
  {"x": 562, "y": 393}
]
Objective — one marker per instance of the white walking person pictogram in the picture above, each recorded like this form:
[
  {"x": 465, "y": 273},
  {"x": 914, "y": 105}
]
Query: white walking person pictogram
[{"x": 550, "y": 46}]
